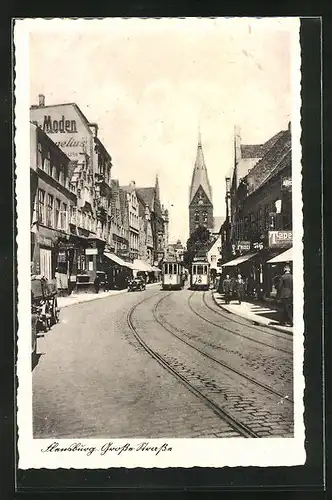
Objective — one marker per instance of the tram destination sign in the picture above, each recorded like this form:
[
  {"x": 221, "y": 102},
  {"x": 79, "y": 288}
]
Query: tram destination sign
[{"x": 280, "y": 239}]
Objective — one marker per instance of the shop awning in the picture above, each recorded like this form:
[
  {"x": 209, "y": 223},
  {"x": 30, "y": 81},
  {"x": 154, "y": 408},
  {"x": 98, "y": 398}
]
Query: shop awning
[
  {"x": 140, "y": 265},
  {"x": 156, "y": 269},
  {"x": 118, "y": 260},
  {"x": 286, "y": 256},
  {"x": 239, "y": 260}
]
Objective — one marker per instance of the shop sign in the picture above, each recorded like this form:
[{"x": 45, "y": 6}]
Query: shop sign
[
  {"x": 286, "y": 183},
  {"x": 280, "y": 239},
  {"x": 65, "y": 127},
  {"x": 45, "y": 241},
  {"x": 243, "y": 245},
  {"x": 61, "y": 257},
  {"x": 91, "y": 251},
  {"x": 258, "y": 245}
]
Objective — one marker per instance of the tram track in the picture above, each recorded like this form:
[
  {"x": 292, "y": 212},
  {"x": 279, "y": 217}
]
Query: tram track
[
  {"x": 218, "y": 325},
  {"x": 248, "y": 378},
  {"x": 248, "y": 325},
  {"x": 237, "y": 426}
]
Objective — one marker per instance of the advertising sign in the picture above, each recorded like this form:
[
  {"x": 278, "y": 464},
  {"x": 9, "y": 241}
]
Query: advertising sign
[
  {"x": 243, "y": 245},
  {"x": 280, "y": 239},
  {"x": 65, "y": 127},
  {"x": 91, "y": 251},
  {"x": 286, "y": 183}
]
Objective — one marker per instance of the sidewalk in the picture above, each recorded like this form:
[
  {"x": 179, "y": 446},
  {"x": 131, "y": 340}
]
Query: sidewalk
[
  {"x": 257, "y": 313},
  {"x": 87, "y": 297}
]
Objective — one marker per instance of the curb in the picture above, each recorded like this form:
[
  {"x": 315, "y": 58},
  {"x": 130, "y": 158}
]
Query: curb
[
  {"x": 98, "y": 297},
  {"x": 253, "y": 321}
]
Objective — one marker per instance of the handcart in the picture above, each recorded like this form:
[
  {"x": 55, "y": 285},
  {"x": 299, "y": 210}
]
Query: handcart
[{"x": 44, "y": 305}]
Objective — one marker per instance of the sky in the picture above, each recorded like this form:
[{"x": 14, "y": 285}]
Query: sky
[{"x": 150, "y": 84}]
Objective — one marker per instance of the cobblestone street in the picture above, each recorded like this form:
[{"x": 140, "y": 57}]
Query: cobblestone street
[{"x": 161, "y": 364}]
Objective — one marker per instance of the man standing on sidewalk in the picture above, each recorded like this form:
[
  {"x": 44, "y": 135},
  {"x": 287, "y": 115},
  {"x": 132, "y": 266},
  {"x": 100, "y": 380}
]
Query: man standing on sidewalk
[
  {"x": 239, "y": 288},
  {"x": 226, "y": 287},
  {"x": 285, "y": 293}
]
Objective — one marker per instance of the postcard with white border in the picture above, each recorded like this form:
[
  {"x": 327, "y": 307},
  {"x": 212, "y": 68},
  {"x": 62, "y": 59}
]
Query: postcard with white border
[{"x": 159, "y": 242}]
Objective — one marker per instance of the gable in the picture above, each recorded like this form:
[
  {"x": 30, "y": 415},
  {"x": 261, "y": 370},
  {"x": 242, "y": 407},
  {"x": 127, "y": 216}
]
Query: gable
[
  {"x": 66, "y": 126},
  {"x": 200, "y": 198}
]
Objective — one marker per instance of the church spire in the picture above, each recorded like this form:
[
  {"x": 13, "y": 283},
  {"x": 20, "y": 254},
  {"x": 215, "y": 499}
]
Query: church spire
[
  {"x": 156, "y": 186},
  {"x": 200, "y": 175}
]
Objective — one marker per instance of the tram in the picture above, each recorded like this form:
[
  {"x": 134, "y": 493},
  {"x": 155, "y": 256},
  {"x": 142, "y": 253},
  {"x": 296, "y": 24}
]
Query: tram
[
  {"x": 172, "y": 275},
  {"x": 200, "y": 275}
]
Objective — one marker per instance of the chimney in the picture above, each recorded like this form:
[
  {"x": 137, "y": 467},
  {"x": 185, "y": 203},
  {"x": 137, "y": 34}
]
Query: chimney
[
  {"x": 41, "y": 100},
  {"x": 290, "y": 126},
  {"x": 95, "y": 128}
]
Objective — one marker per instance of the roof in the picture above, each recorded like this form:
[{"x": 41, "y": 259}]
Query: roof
[
  {"x": 200, "y": 175},
  {"x": 218, "y": 221},
  {"x": 258, "y": 150},
  {"x": 147, "y": 195},
  {"x": 141, "y": 207},
  {"x": 212, "y": 242},
  {"x": 251, "y": 154},
  {"x": 271, "y": 162}
]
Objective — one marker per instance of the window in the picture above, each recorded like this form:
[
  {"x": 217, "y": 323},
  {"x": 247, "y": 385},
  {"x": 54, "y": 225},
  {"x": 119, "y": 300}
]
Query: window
[
  {"x": 199, "y": 269},
  {"x": 47, "y": 163},
  {"x": 41, "y": 206},
  {"x": 64, "y": 216},
  {"x": 205, "y": 216},
  {"x": 79, "y": 218},
  {"x": 196, "y": 216},
  {"x": 57, "y": 213},
  {"x": 62, "y": 176},
  {"x": 40, "y": 156},
  {"x": 50, "y": 211},
  {"x": 72, "y": 214}
]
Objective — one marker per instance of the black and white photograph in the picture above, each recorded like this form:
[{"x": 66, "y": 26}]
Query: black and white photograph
[{"x": 160, "y": 259}]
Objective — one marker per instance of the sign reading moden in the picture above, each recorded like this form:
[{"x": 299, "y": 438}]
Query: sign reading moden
[{"x": 63, "y": 125}]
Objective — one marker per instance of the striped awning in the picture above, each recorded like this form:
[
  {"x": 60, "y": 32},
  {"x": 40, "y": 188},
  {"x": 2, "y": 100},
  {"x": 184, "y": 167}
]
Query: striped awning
[
  {"x": 140, "y": 265},
  {"x": 117, "y": 260},
  {"x": 286, "y": 256},
  {"x": 239, "y": 260}
]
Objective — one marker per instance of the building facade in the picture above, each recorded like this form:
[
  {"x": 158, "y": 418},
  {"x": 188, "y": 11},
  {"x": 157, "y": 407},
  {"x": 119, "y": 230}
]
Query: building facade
[
  {"x": 133, "y": 217},
  {"x": 259, "y": 212},
  {"x": 150, "y": 196},
  {"x": 53, "y": 200},
  {"x": 200, "y": 195},
  {"x": 90, "y": 175}
]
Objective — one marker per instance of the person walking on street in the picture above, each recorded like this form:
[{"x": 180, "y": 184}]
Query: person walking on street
[
  {"x": 97, "y": 284},
  {"x": 285, "y": 294},
  {"x": 239, "y": 288},
  {"x": 227, "y": 288}
]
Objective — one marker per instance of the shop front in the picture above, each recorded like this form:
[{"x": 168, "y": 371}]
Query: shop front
[
  {"x": 276, "y": 268},
  {"x": 247, "y": 267},
  {"x": 117, "y": 271}
]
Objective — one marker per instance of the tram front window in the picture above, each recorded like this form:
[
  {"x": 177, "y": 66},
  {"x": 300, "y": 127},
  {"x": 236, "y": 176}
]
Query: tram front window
[{"x": 199, "y": 269}]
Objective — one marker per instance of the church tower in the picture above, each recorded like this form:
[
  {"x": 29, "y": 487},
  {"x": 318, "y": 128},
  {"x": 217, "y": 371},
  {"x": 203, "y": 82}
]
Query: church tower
[{"x": 200, "y": 194}]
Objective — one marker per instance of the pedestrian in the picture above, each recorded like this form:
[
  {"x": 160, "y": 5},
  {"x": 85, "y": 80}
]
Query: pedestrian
[
  {"x": 285, "y": 294},
  {"x": 96, "y": 283},
  {"x": 217, "y": 282},
  {"x": 107, "y": 285},
  {"x": 239, "y": 288},
  {"x": 227, "y": 288}
]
